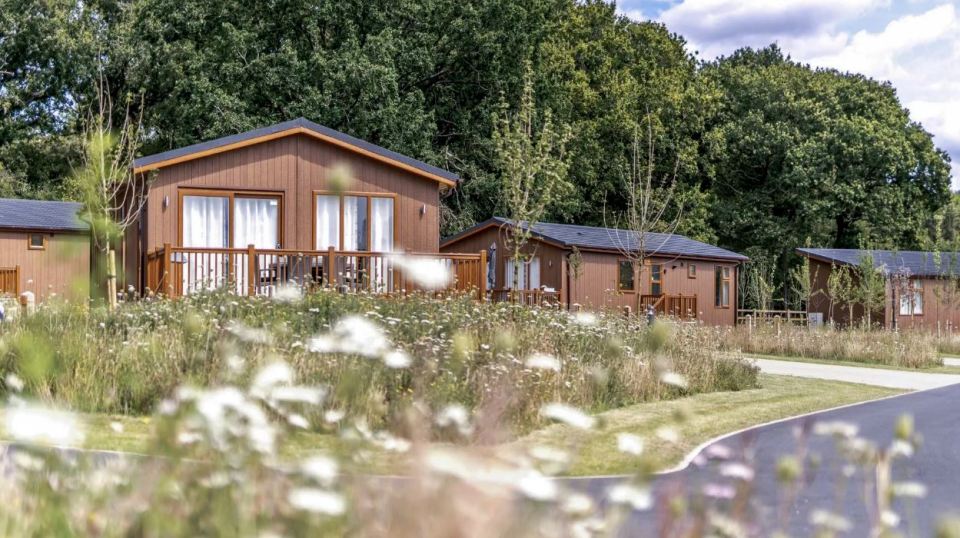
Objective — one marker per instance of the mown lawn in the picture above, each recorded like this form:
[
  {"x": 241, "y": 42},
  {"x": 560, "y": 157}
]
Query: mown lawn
[{"x": 695, "y": 419}]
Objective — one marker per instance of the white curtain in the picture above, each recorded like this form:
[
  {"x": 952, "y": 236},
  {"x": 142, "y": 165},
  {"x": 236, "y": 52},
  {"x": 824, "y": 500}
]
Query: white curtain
[
  {"x": 381, "y": 225},
  {"x": 205, "y": 221},
  {"x": 256, "y": 221},
  {"x": 328, "y": 222},
  {"x": 205, "y": 224},
  {"x": 354, "y": 223},
  {"x": 533, "y": 276},
  {"x": 381, "y": 240},
  {"x": 529, "y": 275}
]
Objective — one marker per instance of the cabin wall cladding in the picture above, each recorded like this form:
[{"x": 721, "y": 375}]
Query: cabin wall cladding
[
  {"x": 597, "y": 286},
  {"x": 61, "y": 269},
  {"x": 550, "y": 256},
  {"x": 293, "y": 167}
]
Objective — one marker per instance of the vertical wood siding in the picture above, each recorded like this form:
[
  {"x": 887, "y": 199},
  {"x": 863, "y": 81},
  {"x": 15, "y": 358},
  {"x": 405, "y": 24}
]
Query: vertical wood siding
[
  {"x": 293, "y": 167},
  {"x": 63, "y": 268},
  {"x": 596, "y": 287},
  {"x": 550, "y": 256}
]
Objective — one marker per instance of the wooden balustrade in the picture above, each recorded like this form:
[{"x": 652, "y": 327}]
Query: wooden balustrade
[
  {"x": 178, "y": 271},
  {"x": 537, "y": 297},
  {"x": 10, "y": 281},
  {"x": 676, "y": 306}
]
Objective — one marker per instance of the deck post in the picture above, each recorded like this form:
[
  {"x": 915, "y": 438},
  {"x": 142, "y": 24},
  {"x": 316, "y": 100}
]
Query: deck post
[
  {"x": 251, "y": 270},
  {"x": 167, "y": 277},
  {"x": 563, "y": 298},
  {"x": 331, "y": 268},
  {"x": 16, "y": 281},
  {"x": 482, "y": 284}
]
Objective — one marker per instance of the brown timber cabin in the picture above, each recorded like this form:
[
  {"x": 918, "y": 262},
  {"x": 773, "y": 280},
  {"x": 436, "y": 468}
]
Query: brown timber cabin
[
  {"x": 922, "y": 289},
  {"x": 585, "y": 266},
  {"x": 44, "y": 249},
  {"x": 263, "y": 208}
]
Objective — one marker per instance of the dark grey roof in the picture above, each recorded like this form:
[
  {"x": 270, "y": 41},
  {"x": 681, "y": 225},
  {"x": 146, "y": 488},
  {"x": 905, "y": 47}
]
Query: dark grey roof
[
  {"x": 293, "y": 124},
  {"x": 912, "y": 262},
  {"x": 572, "y": 235},
  {"x": 40, "y": 215}
]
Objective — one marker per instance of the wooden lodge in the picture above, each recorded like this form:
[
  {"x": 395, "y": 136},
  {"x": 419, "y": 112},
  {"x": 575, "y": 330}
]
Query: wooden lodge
[
  {"x": 295, "y": 202},
  {"x": 921, "y": 289},
  {"x": 586, "y": 267},
  {"x": 44, "y": 250}
]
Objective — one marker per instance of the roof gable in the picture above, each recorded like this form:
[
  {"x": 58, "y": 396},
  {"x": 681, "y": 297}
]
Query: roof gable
[
  {"x": 290, "y": 128},
  {"x": 41, "y": 215},
  {"x": 612, "y": 239}
]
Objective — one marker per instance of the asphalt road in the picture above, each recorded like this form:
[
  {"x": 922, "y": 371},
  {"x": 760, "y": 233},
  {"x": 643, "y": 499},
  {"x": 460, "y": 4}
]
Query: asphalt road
[{"x": 936, "y": 464}]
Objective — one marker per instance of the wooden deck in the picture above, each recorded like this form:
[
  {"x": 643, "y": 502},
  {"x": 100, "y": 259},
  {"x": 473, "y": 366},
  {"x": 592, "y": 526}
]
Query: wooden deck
[
  {"x": 10, "y": 281},
  {"x": 675, "y": 306},
  {"x": 178, "y": 271}
]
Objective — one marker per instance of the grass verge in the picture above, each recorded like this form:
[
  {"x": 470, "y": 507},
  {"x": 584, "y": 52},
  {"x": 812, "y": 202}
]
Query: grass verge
[
  {"x": 942, "y": 369},
  {"x": 705, "y": 416},
  {"x": 696, "y": 419}
]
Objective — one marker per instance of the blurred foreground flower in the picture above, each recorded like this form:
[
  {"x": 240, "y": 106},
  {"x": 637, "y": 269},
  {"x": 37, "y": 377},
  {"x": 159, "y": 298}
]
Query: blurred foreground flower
[
  {"x": 428, "y": 273},
  {"x": 39, "y": 425},
  {"x": 568, "y": 414}
]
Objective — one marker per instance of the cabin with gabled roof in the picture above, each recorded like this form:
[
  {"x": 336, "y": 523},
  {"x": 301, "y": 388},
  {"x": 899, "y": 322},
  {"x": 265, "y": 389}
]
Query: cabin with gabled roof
[
  {"x": 267, "y": 207},
  {"x": 586, "y": 267},
  {"x": 44, "y": 250}
]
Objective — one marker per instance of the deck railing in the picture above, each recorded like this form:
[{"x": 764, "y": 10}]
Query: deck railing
[
  {"x": 745, "y": 316},
  {"x": 677, "y": 306},
  {"x": 10, "y": 281},
  {"x": 537, "y": 297},
  {"x": 178, "y": 271}
]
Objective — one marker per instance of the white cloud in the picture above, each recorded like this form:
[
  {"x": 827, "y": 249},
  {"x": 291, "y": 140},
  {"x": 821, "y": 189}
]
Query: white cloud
[
  {"x": 918, "y": 52},
  {"x": 717, "y": 24},
  {"x": 632, "y": 14}
]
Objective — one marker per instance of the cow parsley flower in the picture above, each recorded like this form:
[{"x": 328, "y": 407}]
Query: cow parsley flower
[
  {"x": 543, "y": 361},
  {"x": 428, "y": 273},
  {"x": 38, "y": 425},
  {"x": 629, "y": 443},
  {"x": 568, "y": 414},
  {"x": 318, "y": 501}
]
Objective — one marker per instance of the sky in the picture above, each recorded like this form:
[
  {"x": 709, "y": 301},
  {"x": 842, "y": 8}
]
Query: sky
[{"x": 915, "y": 44}]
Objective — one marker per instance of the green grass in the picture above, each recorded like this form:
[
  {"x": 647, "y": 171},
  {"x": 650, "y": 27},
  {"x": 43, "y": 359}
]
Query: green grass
[
  {"x": 697, "y": 418},
  {"x": 942, "y": 369},
  {"x": 119, "y": 433}
]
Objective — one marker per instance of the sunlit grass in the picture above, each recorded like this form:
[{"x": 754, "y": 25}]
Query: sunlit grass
[{"x": 695, "y": 419}]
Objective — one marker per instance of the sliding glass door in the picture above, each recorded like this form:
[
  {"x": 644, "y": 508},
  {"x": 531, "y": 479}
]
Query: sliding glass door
[
  {"x": 219, "y": 220},
  {"x": 357, "y": 223}
]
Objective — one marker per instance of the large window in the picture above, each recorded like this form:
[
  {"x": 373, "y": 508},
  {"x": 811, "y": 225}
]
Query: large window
[
  {"x": 911, "y": 298},
  {"x": 524, "y": 277},
  {"x": 625, "y": 281},
  {"x": 213, "y": 219},
  {"x": 656, "y": 279},
  {"x": 354, "y": 222},
  {"x": 722, "y": 296}
]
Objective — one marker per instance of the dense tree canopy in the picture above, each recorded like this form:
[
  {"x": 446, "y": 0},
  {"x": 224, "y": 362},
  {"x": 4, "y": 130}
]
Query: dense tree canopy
[{"x": 769, "y": 154}]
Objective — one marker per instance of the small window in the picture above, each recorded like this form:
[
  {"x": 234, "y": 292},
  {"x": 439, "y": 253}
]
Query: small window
[
  {"x": 691, "y": 271},
  {"x": 722, "y": 287},
  {"x": 625, "y": 278},
  {"x": 37, "y": 241},
  {"x": 656, "y": 279},
  {"x": 911, "y": 299}
]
